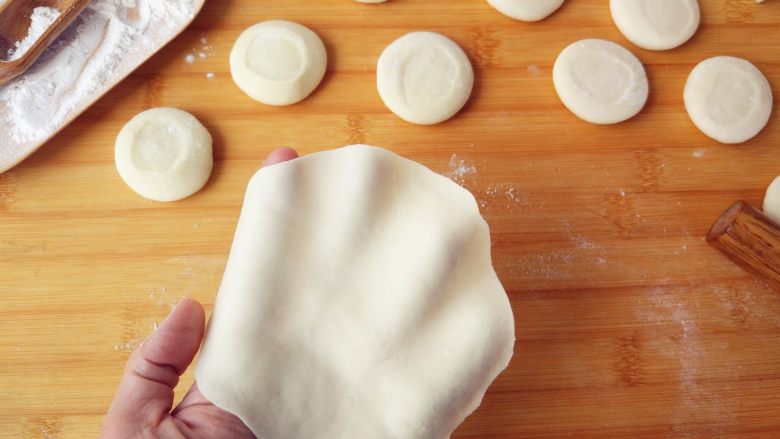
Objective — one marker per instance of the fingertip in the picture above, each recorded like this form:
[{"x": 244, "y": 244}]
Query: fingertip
[
  {"x": 191, "y": 308},
  {"x": 177, "y": 339},
  {"x": 187, "y": 313},
  {"x": 280, "y": 155}
]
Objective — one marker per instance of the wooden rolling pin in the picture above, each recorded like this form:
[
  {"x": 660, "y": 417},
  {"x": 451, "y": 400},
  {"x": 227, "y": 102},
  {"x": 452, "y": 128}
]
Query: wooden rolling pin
[{"x": 750, "y": 239}]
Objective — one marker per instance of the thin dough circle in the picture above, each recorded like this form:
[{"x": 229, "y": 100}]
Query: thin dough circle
[
  {"x": 359, "y": 301},
  {"x": 278, "y": 62},
  {"x": 772, "y": 201},
  {"x": 526, "y": 10},
  {"x": 424, "y": 78},
  {"x": 600, "y": 81},
  {"x": 656, "y": 24},
  {"x": 164, "y": 154},
  {"x": 728, "y": 99}
]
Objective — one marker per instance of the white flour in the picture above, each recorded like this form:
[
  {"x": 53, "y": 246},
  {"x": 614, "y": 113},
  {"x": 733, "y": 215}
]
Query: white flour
[
  {"x": 459, "y": 170},
  {"x": 40, "y": 20},
  {"x": 110, "y": 37}
]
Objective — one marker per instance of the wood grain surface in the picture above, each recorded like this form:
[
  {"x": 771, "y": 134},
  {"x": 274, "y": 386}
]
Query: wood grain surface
[{"x": 628, "y": 323}]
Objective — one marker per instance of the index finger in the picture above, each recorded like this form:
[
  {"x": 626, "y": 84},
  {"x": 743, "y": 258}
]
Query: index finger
[{"x": 280, "y": 155}]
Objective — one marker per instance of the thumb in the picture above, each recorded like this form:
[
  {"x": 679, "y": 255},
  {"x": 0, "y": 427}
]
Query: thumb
[{"x": 145, "y": 394}]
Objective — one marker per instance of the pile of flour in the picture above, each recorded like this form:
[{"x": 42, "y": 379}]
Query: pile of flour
[
  {"x": 108, "y": 40},
  {"x": 40, "y": 20}
]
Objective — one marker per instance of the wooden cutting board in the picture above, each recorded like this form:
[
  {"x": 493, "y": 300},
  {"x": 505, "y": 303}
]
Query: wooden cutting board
[{"x": 628, "y": 323}]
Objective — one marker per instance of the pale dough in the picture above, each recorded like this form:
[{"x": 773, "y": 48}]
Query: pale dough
[
  {"x": 772, "y": 201},
  {"x": 728, "y": 99},
  {"x": 656, "y": 24},
  {"x": 600, "y": 81},
  {"x": 164, "y": 154},
  {"x": 359, "y": 301},
  {"x": 424, "y": 78},
  {"x": 278, "y": 62},
  {"x": 526, "y": 10}
]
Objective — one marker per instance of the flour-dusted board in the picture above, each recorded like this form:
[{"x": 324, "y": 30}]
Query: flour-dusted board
[
  {"x": 628, "y": 323},
  {"x": 109, "y": 40}
]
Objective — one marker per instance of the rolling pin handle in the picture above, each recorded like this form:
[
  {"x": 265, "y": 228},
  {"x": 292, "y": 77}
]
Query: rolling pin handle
[{"x": 750, "y": 239}]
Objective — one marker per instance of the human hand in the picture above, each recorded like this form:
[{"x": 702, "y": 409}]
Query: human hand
[{"x": 142, "y": 405}]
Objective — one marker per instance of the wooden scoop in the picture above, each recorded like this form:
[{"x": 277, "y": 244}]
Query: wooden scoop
[
  {"x": 15, "y": 21},
  {"x": 750, "y": 239}
]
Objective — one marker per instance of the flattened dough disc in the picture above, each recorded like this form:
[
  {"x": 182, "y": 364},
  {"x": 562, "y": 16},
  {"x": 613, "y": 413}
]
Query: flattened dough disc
[
  {"x": 359, "y": 301},
  {"x": 656, "y": 24},
  {"x": 772, "y": 201},
  {"x": 728, "y": 99},
  {"x": 600, "y": 81},
  {"x": 526, "y": 10},
  {"x": 424, "y": 78},
  {"x": 164, "y": 154},
  {"x": 278, "y": 62}
]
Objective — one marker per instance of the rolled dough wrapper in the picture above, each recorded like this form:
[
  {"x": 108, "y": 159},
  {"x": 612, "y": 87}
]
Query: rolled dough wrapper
[{"x": 359, "y": 301}]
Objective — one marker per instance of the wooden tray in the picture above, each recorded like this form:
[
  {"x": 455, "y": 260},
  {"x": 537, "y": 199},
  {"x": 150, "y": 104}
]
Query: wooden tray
[{"x": 15, "y": 148}]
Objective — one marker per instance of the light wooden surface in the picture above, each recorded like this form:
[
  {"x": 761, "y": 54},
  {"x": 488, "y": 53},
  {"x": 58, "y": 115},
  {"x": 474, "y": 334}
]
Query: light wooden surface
[{"x": 628, "y": 323}]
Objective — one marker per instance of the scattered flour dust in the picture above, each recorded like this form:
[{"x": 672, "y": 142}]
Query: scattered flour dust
[
  {"x": 676, "y": 310},
  {"x": 460, "y": 172},
  {"x": 200, "y": 53},
  {"x": 186, "y": 275},
  {"x": 42, "y": 17},
  {"x": 108, "y": 40},
  {"x": 127, "y": 346},
  {"x": 163, "y": 300}
]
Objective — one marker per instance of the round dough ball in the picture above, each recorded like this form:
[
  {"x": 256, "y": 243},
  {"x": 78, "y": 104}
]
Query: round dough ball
[
  {"x": 600, "y": 81},
  {"x": 526, "y": 10},
  {"x": 772, "y": 201},
  {"x": 728, "y": 99},
  {"x": 278, "y": 62},
  {"x": 164, "y": 154},
  {"x": 656, "y": 24},
  {"x": 424, "y": 78}
]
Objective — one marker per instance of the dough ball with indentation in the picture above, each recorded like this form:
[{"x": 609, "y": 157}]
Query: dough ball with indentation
[
  {"x": 164, "y": 154},
  {"x": 656, "y": 24},
  {"x": 728, "y": 99},
  {"x": 526, "y": 10},
  {"x": 600, "y": 81},
  {"x": 772, "y": 201},
  {"x": 278, "y": 62},
  {"x": 424, "y": 78}
]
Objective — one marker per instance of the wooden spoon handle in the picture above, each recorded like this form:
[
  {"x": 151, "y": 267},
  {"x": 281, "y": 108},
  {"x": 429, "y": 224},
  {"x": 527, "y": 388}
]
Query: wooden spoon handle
[{"x": 750, "y": 239}]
